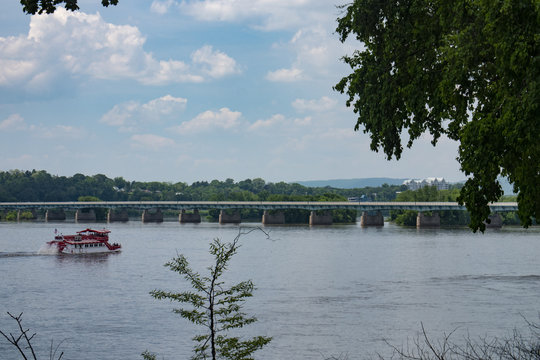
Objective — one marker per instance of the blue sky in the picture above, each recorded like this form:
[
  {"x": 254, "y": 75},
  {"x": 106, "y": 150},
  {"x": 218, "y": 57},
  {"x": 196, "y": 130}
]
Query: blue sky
[{"x": 169, "y": 90}]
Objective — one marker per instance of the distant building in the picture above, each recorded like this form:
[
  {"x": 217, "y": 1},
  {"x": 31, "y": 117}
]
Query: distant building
[{"x": 415, "y": 184}]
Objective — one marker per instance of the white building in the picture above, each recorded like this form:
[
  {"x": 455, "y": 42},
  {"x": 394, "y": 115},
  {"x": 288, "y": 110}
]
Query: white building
[{"x": 415, "y": 184}]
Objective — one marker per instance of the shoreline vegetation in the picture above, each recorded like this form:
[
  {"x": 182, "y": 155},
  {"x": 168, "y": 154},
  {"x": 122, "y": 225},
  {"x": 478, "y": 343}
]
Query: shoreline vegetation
[
  {"x": 518, "y": 345},
  {"x": 38, "y": 185}
]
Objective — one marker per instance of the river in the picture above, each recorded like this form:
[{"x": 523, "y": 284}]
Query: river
[{"x": 340, "y": 290}]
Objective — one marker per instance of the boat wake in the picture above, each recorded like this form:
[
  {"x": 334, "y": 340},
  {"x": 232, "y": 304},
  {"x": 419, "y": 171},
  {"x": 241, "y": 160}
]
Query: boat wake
[
  {"x": 44, "y": 250},
  {"x": 18, "y": 254},
  {"x": 48, "y": 249}
]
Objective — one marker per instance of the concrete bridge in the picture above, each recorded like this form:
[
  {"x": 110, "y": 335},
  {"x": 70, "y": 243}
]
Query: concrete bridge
[{"x": 152, "y": 210}]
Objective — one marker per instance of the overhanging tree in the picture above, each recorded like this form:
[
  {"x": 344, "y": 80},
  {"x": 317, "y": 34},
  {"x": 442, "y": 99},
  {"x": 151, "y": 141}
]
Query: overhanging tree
[
  {"x": 467, "y": 69},
  {"x": 49, "y": 6},
  {"x": 214, "y": 306}
]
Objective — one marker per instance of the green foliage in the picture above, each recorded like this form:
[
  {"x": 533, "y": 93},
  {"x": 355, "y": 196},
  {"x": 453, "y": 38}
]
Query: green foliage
[
  {"x": 146, "y": 355},
  {"x": 88, "y": 198},
  {"x": 467, "y": 69},
  {"x": 405, "y": 217},
  {"x": 49, "y": 6},
  {"x": 11, "y": 216},
  {"x": 429, "y": 193},
  {"x": 26, "y": 215},
  {"x": 509, "y": 218},
  {"x": 509, "y": 198},
  {"x": 17, "y": 185},
  {"x": 214, "y": 306}
]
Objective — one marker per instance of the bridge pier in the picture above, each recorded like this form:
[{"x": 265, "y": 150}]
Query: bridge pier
[
  {"x": 495, "y": 221},
  {"x": 156, "y": 216},
  {"x": 273, "y": 219},
  {"x": 185, "y": 217},
  {"x": 371, "y": 220},
  {"x": 85, "y": 215},
  {"x": 225, "y": 218},
  {"x": 325, "y": 219},
  {"x": 19, "y": 215},
  {"x": 117, "y": 215},
  {"x": 427, "y": 221},
  {"x": 55, "y": 215}
]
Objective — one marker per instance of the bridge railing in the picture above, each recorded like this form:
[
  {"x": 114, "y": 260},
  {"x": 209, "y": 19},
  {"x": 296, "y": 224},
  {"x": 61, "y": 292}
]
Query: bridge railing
[{"x": 262, "y": 205}]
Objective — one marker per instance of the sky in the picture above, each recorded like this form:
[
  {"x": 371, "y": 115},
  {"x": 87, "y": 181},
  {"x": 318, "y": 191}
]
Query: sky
[{"x": 190, "y": 90}]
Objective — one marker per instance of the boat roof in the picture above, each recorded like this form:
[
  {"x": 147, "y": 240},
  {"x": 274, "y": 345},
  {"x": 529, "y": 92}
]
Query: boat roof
[
  {"x": 104, "y": 231},
  {"x": 85, "y": 241}
]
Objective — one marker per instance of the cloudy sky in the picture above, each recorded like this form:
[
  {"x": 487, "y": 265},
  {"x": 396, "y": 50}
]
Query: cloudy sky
[{"x": 188, "y": 90}]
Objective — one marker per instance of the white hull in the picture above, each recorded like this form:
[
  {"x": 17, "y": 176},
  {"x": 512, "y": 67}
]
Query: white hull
[{"x": 86, "y": 249}]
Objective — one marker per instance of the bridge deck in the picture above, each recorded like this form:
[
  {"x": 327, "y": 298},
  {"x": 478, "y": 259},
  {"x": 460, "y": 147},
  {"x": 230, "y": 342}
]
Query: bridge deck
[{"x": 263, "y": 205}]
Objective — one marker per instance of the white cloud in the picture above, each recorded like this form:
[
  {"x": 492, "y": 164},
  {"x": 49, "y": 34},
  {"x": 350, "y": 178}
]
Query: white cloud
[
  {"x": 14, "y": 71},
  {"x": 129, "y": 115},
  {"x": 263, "y": 124},
  {"x": 316, "y": 47},
  {"x": 303, "y": 121},
  {"x": 70, "y": 44},
  {"x": 210, "y": 120},
  {"x": 165, "y": 105},
  {"x": 317, "y": 55},
  {"x": 320, "y": 105},
  {"x": 285, "y": 75},
  {"x": 171, "y": 71},
  {"x": 262, "y": 14},
  {"x": 215, "y": 63},
  {"x": 13, "y": 122},
  {"x": 16, "y": 122},
  {"x": 161, "y": 7},
  {"x": 59, "y": 132},
  {"x": 150, "y": 141}
]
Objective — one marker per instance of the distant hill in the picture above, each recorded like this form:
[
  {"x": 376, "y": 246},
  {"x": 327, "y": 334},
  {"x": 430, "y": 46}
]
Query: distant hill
[{"x": 352, "y": 183}]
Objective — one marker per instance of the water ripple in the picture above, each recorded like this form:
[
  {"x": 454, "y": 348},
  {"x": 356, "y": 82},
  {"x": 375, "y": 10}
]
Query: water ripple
[{"x": 488, "y": 277}]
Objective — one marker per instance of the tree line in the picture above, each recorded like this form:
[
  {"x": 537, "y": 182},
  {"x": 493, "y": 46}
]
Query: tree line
[
  {"x": 449, "y": 217},
  {"x": 38, "y": 185}
]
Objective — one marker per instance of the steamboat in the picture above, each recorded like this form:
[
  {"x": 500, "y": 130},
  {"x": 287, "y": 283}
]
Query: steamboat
[{"x": 87, "y": 241}]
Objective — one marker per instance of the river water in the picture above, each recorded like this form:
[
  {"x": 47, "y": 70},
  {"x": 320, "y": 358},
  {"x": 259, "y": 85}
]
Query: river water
[{"x": 321, "y": 291}]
